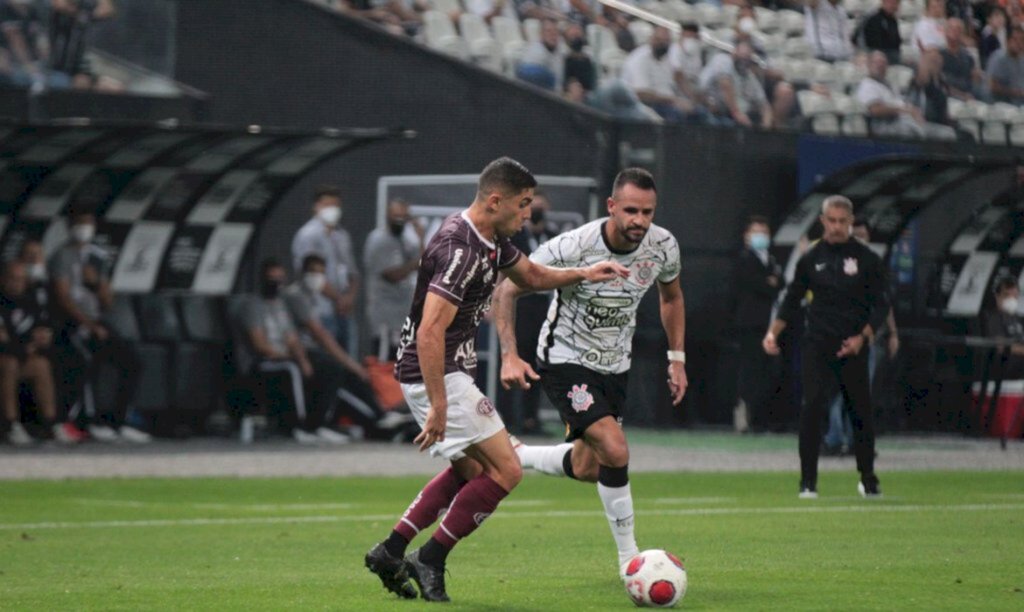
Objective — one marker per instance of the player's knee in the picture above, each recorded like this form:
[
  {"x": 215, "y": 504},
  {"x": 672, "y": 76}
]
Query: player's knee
[
  {"x": 616, "y": 454},
  {"x": 509, "y": 474}
]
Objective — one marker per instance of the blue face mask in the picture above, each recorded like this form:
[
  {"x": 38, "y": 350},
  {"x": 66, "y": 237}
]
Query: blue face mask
[{"x": 759, "y": 241}]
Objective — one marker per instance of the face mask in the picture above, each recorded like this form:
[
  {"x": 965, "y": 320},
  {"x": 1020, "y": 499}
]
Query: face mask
[
  {"x": 1009, "y": 305},
  {"x": 37, "y": 272},
  {"x": 330, "y": 215},
  {"x": 659, "y": 51},
  {"x": 537, "y": 216},
  {"x": 83, "y": 233},
  {"x": 397, "y": 228},
  {"x": 270, "y": 288},
  {"x": 747, "y": 25},
  {"x": 576, "y": 44},
  {"x": 691, "y": 46},
  {"x": 759, "y": 241},
  {"x": 314, "y": 281}
]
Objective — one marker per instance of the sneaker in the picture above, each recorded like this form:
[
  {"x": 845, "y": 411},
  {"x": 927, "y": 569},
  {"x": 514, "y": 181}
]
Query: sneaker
[
  {"x": 304, "y": 437},
  {"x": 868, "y": 486},
  {"x": 18, "y": 436},
  {"x": 391, "y": 571},
  {"x": 808, "y": 490},
  {"x": 430, "y": 579},
  {"x": 331, "y": 436},
  {"x": 393, "y": 419},
  {"x": 67, "y": 433},
  {"x": 102, "y": 433},
  {"x": 135, "y": 436}
]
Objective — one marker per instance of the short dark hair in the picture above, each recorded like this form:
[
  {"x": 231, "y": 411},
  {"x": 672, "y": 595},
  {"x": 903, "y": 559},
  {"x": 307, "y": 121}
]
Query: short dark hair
[
  {"x": 634, "y": 176},
  {"x": 505, "y": 175},
  {"x": 311, "y": 260},
  {"x": 323, "y": 191},
  {"x": 1003, "y": 283}
]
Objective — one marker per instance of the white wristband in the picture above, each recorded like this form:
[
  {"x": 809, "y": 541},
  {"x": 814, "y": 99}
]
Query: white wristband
[{"x": 679, "y": 356}]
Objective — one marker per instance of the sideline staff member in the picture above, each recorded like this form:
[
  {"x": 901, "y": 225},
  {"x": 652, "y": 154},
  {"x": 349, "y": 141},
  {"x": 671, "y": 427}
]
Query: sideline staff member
[{"x": 847, "y": 302}]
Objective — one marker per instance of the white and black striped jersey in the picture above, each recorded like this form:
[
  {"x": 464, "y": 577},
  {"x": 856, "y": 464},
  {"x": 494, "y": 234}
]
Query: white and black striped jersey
[{"x": 592, "y": 324}]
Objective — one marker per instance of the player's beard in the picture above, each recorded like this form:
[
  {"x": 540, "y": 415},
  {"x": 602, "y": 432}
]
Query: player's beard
[{"x": 635, "y": 235}]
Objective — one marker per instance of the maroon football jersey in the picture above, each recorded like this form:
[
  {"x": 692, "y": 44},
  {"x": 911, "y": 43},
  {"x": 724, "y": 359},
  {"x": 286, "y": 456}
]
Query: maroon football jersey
[{"x": 460, "y": 266}]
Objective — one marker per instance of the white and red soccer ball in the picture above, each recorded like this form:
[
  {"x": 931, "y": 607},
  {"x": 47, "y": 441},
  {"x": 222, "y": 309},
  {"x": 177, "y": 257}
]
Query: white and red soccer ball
[{"x": 655, "y": 578}]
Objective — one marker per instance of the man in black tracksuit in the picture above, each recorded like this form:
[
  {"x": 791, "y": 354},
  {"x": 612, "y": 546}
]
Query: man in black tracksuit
[{"x": 844, "y": 284}]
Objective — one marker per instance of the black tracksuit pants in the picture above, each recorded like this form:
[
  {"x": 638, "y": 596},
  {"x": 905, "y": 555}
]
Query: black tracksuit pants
[{"x": 822, "y": 373}]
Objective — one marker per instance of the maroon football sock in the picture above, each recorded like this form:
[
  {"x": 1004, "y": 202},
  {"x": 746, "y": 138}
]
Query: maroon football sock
[
  {"x": 424, "y": 510},
  {"x": 474, "y": 503}
]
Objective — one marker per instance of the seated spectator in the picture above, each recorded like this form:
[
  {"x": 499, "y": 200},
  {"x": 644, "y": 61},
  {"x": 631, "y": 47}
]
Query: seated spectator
[
  {"x": 958, "y": 67},
  {"x": 79, "y": 274},
  {"x": 542, "y": 62},
  {"x": 734, "y": 89},
  {"x": 331, "y": 364},
  {"x": 392, "y": 254},
  {"x": 993, "y": 35},
  {"x": 881, "y": 31},
  {"x": 888, "y": 113},
  {"x": 282, "y": 367},
  {"x": 618, "y": 23},
  {"x": 1003, "y": 322},
  {"x": 826, "y": 30},
  {"x": 26, "y": 337},
  {"x": 1006, "y": 70},
  {"x": 929, "y": 31},
  {"x": 580, "y": 73},
  {"x": 928, "y": 90},
  {"x": 686, "y": 55},
  {"x": 31, "y": 254},
  {"x": 649, "y": 73},
  {"x": 70, "y": 22},
  {"x": 24, "y": 37}
]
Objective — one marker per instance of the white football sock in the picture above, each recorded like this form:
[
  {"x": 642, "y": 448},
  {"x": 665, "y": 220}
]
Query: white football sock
[
  {"x": 618, "y": 507},
  {"x": 544, "y": 459}
]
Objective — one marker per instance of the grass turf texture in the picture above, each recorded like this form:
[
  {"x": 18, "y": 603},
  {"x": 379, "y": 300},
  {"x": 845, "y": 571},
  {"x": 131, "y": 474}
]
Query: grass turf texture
[{"x": 949, "y": 541}]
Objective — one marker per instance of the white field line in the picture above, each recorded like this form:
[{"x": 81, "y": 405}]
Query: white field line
[
  {"x": 682, "y": 501},
  {"x": 865, "y": 507},
  {"x": 129, "y": 503}
]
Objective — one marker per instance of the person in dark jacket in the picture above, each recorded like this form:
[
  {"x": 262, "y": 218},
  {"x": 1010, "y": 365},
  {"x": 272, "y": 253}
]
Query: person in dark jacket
[
  {"x": 758, "y": 282},
  {"x": 881, "y": 31},
  {"x": 843, "y": 283}
]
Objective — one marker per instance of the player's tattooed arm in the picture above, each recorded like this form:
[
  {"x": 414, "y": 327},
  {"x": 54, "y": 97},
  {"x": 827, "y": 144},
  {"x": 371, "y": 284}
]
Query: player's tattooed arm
[{"x": 514, "y": 371}]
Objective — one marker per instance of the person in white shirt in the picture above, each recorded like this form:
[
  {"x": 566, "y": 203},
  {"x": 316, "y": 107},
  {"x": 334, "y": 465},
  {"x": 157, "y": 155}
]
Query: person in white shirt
[
  {"x": 686, "y": 55},
  {"x": 734, "y": 90},
  {"x": 889, "y": 114},
  {"x": 827, "y": 30},
  {"x": 930, "y": 29},
  {"x": 649, "y": 72}
]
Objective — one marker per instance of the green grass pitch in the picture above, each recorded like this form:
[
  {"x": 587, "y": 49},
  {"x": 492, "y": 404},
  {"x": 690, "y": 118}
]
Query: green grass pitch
[{"x": 937, "y": 541}]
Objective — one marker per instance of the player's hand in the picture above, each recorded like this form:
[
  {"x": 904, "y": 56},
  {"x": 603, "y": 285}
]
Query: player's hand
[
  {"x": 677, "y": 381},
  {"x": 769, "y": 344},
  {"x": 515, "y": 371},
  {"x": 851, "y": 346},
  {"x": 894, "y": 345},
  {"x": 605, "y": 271},
  {"x": 433, "y": 428}
]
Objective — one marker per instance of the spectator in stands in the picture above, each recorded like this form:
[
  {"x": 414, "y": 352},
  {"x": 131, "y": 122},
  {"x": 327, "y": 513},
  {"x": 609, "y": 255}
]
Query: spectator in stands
[
  {"x": 928, "y": 90},
  {"x": 336, "y": 375},
  {"x": 993, "y": 36},
  {"x": 579, "y": 73},
  {"x": 826, "y": 30},
  {"x": 758, "y": 279},
  {"x": 543, "y": 62},
  {"x": 734, "y": 89},
  {"x": 392, "y": 255},
  {"x": 686, "y": 55},
  {"x": 323, "y": 235},
  {"x": 79, "y": 274},
  {"x": 881, "y": 31},
  {"x": 24, "y": 38},
  {"x": 618, "y": 23},
  {"x": 26, "y": 337},
  {"x": 650, "y": 74},
  {"x": 1006, "y": 70},
  {"x": 958, "y": 68},
  {"x": 929, "y": 31},
  {"x": 31, "y": 254},
  {"x": 282, "y": 366},
  {"x": 70, "y": 22},
  {"x": 537, "y": 9},
  {"x": 489, "y": 9},
  {"x": 888, "y": 113},
  {"x": 1003, "y": 322},
  {"x": 618, "y": 100}
]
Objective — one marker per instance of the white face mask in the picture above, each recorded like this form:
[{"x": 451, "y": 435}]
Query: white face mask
[
  {"x": 314, "y": 281},
  {"x": 37, "y": 271},
  {"x": 330, "y": 215},
  {"x": 747, "y": 25},
  {"x": 691, "y": 46},
  {"x": 1009, "y": 305},
  {"x": 83, "y": 233}
]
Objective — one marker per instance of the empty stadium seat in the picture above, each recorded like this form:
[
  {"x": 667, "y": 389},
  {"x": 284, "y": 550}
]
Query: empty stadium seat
[
  {"x": 440, "y": 34},
  {"x": 899, "y": 77},
  {"x": 483, "y": 49},
  {"x": 854, "y": 124},
  {"x": 827, "y": 124},
  {"x": 710, "y": 15},
  {"x": 791, "y": 22},
  {"x": 509, "y": 37},
  {"x": 813, "y": 103}
]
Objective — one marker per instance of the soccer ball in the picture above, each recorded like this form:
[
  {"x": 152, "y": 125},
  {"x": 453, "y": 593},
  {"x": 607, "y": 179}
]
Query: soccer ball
[{"x": 655, "y": 578}]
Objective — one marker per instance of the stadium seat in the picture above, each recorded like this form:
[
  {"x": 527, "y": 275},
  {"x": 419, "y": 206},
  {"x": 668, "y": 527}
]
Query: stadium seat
[
  {"x": 911, "y": 9},
  {"x": 203, "y": 348},
  {"x": 767, "y": 19},
  {"x": 899, "y": 77},
  {"x": 483, "y": 49},
  {"x": 155, "y": 389},
  {"x": 854, "y": 124},
  {"x": 791, "y": 22},
  {"x": 827, "y": 124},
  {"x": 509, "y": 36},
  {"x": 710, "y": 15},
  {"x": 448, "y": 7},
  {"x": 531, "y": 28},
  {"x": 796, "y": 47},
  {"x": 994, "y": 132},
  {"x": 680, "y": 11},
  {"x": 1017, "y": 135},
  {"x": 813, "y": 103},
  {"x": 440, "y": 34},
  {"x": 909, "y": 54}
]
